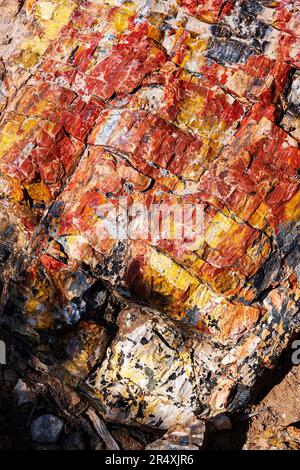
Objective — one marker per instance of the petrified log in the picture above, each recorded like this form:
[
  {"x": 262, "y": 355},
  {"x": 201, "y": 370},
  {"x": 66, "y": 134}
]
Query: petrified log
[{"x": 159, "y": 104}]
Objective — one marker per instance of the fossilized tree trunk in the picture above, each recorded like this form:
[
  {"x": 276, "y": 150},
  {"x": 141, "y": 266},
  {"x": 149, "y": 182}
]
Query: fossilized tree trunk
[{"x": 165, "y": 103}]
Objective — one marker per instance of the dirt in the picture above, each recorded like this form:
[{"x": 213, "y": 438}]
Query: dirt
[{"x": 279, "y": 409}]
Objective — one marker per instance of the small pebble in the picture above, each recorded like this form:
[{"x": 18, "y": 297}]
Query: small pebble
[{"x": 46, "y": 429}]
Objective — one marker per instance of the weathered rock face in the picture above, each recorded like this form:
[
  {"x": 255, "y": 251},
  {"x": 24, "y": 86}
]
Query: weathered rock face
[{"x": 153, "y": 104}]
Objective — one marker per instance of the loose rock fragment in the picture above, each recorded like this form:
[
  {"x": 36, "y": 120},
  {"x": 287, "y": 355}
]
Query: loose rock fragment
[
  {"x": 181, "y": 438},
  {"x": 23, "y": 392},
  {"x": 46, "y": 429},
  {"x": 222, "y": 423}
]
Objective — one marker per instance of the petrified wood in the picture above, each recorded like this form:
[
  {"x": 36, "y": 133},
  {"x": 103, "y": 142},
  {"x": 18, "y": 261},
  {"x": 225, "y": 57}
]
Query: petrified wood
[{"x": 166, "y": 103}]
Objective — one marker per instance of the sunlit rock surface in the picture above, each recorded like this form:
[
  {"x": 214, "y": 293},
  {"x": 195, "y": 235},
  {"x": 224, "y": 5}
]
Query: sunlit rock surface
[{"x": 166, "y": 103}]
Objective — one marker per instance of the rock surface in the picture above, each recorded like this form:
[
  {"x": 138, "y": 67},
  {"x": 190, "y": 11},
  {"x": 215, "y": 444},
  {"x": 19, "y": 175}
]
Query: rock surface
[
  {"x": 23, "y": 392},
  {"x": 46, "y": 429},
  {"x": 161, "y": 104},
  {"x": 189, "y": 437}
]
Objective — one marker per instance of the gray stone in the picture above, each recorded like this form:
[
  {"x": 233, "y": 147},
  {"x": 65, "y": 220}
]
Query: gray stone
[
  {"x": 23, "y": 393},
  {"x": 46, "y": 429}
]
